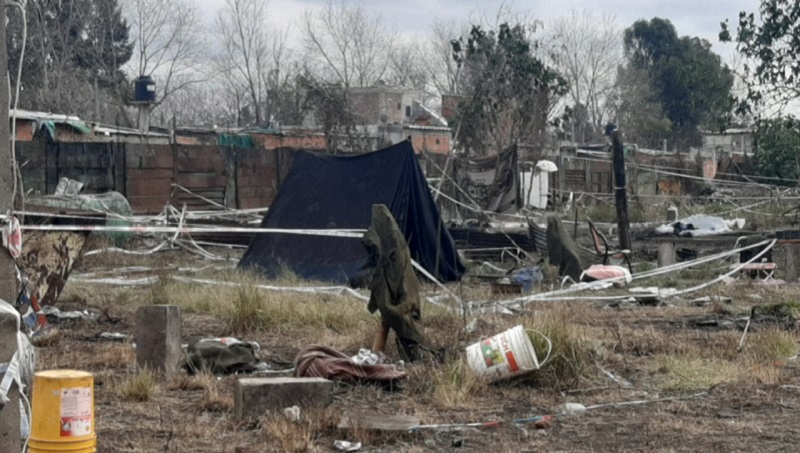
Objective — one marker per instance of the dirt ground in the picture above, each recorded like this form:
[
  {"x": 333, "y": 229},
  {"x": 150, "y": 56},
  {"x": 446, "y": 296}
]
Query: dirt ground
[{"x": 703, "y": 392}]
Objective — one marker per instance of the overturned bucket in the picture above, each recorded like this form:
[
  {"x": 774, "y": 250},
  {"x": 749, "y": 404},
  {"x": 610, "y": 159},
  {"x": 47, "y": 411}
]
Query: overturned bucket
[
  {"x": 506, "y": 354},
  {"x": 62, "y": 418}
]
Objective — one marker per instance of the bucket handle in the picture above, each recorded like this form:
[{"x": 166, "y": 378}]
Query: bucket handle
[{"x": 549, "y": 345}]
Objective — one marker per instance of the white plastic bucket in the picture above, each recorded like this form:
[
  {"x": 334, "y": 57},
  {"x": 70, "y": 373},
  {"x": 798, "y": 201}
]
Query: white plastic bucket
[{"x": 506, "y": 354}]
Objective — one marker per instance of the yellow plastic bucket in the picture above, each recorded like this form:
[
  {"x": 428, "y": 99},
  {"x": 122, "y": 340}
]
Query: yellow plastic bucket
[
  {"x": 506, "y": 354},
  {"x": 62, "y": 412}
]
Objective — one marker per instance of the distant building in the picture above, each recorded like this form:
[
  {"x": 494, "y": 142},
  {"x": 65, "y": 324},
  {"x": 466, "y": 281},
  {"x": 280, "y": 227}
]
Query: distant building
[{"x": 731, "y": 141}]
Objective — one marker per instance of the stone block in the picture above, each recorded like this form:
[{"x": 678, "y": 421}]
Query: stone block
[
  {"x": 158, "y": 337},
  {"x": 255, "y": 396}
]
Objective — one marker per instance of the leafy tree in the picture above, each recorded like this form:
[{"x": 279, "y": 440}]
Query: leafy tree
[
  {"x": 73, "y": 46},
  {"x": 636, "y": 105},
  {"x": 509, "y": 90},
  {"x": 770, "y": 43},
  {"x": 778, "y": 150},
  {"x": 688, "y": 79}
]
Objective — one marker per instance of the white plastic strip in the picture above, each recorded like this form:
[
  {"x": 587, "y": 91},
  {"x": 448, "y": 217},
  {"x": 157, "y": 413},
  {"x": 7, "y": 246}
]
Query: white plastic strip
[{"x": 354, "y": 233}]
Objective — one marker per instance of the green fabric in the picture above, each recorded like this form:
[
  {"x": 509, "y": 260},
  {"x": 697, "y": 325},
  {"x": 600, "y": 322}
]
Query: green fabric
[
  {"x": 562, "y": 250},
  {"x": 393, "y": 285},
  {"x": 237, "y": 140},
  {"x": 219, "y": 358},
  {"x": 80, "y": 127}
]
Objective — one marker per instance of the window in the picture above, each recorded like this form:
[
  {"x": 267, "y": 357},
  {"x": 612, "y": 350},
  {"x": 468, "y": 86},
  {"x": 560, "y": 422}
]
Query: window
[
  {"x": 437, "y": 141},
  {"x": 408, "y": 110},
  {"x": 399, "y": 106}
]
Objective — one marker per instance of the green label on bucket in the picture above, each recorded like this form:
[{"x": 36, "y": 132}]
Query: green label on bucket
[{"x": 491, "y": 353}]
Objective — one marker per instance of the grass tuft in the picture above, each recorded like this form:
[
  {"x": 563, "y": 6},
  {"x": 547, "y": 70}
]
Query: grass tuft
[{"x": 139, "y": 387}]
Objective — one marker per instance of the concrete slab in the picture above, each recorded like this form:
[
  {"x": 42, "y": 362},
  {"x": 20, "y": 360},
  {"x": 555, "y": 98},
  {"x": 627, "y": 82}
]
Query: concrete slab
[{"x": 254, "y": 396}]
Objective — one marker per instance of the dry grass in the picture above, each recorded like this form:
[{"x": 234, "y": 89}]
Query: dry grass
[
  {"x": 455, "y": 385},
  {"x": 299, "y": 436},
  {"x": 658, "y": 349},
  {"x": 139, "y": 387}
]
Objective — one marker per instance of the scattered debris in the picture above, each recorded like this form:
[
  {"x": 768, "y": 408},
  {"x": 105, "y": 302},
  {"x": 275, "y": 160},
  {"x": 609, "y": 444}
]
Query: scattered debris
[
  {"x": 292, "y": 413},
  {"x": 54, "y": 314},
  {"x": 707, "y": 300},
  {"x": 219, "y": 357},
  {"x": 621, "y": 381},
  {"x": 343, "y": 445},
  {"x": 328, "y": 363},
  {"x": 397, "y": 423}
]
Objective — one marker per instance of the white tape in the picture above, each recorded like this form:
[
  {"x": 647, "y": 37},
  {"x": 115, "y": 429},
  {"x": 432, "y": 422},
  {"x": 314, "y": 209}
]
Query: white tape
[{"x": 354, "y": 233}]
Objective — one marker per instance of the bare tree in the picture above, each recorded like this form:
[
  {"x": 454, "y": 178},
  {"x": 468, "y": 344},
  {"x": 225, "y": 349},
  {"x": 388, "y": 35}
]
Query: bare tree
[
  {"x": 437, "y": 55},
  {"x": 588, "y": 50},
  {"x": 347, "y": 45},
  {"x": 169, "y": 43},
  {"x": 254, "y": 56}
]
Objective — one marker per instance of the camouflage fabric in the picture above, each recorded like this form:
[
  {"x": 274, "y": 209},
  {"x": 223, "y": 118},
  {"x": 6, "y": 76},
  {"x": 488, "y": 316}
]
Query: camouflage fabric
[{"x": 393, "y": 284}]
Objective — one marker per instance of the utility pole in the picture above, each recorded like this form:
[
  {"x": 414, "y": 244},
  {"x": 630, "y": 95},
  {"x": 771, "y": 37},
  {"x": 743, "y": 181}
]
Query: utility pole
[
  {"x": 620, "y": 191},
  {"x": 9, "y": 414}
]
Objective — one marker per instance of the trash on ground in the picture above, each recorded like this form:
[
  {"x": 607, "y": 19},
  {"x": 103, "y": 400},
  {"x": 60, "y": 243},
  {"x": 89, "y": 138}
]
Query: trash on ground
[
  {"x": 571, "y": 409},
  {"x": 506, "y": 354},
  {"x": 54, "y": 314},
  {"x": 700, "y": 225},
  {"x": 398, "y": 423},
  {"x": 343, "y": 445},
  {"x": 596, "y": 272},
  {"x": 527, "y": 277},
  {"x": 328, "y": 363},
  {"x": 367, "y": 357},
  {"x": 218, "y": 357},
  {"x": 292, "y": 413},
  {"x": 703, "y": 301}
]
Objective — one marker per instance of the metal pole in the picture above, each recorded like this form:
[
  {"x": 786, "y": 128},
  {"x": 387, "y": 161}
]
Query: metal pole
[
  {"x": 9, "y": 415},
  {"x": 621, "y": 192}
]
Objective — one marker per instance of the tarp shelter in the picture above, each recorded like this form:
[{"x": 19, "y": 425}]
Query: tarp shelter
[{"x": 337, "y": 192}]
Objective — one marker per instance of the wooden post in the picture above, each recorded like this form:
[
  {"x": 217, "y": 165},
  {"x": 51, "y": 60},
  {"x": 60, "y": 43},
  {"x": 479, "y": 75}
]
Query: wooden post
[
  {"x": 620, "y": 192},
  {"x": 9, "y": 416}
]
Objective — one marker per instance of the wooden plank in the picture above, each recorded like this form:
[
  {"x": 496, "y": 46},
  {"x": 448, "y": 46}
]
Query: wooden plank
[
  {"x": 200, "y": 159},
  {"x": 148, "y": 205},
  {"x": 148, "y": 173},
  {"x": 149, "y": 187},
  {"x": 201, "y": 181}
]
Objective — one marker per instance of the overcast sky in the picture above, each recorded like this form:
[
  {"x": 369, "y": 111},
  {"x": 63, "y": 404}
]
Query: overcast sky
[{"x": 413, "y": 17}]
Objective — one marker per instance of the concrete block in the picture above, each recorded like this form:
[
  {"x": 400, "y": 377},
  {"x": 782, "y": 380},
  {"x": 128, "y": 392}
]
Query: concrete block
[
  {"x": 666, "y": 253},
  {"x": 158, "y": 337},
  {"x": 255, "y": 396},
  {"x": 791, "y": 262}
]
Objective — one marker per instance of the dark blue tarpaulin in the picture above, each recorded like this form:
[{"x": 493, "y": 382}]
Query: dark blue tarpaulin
[{"x": 337, "y": 192}]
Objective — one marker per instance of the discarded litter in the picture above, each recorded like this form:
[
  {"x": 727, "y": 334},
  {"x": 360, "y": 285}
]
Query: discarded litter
[
  {"x": 112, "y": 336},
  {"x": 54, "y": 313},
  {"x": 527, "y": 277},
  {"x": 703, "y": 301},
  {"x": 328, "y": 363},
  {"x": 571, "y": 409},
  {"x": 292, "y": 413},
  {"x": 367, "y": 357},
  {"x": 343, "y": 445},
  {"x": 220, "y": 358},
  {"x": 506, "y": 354}
]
